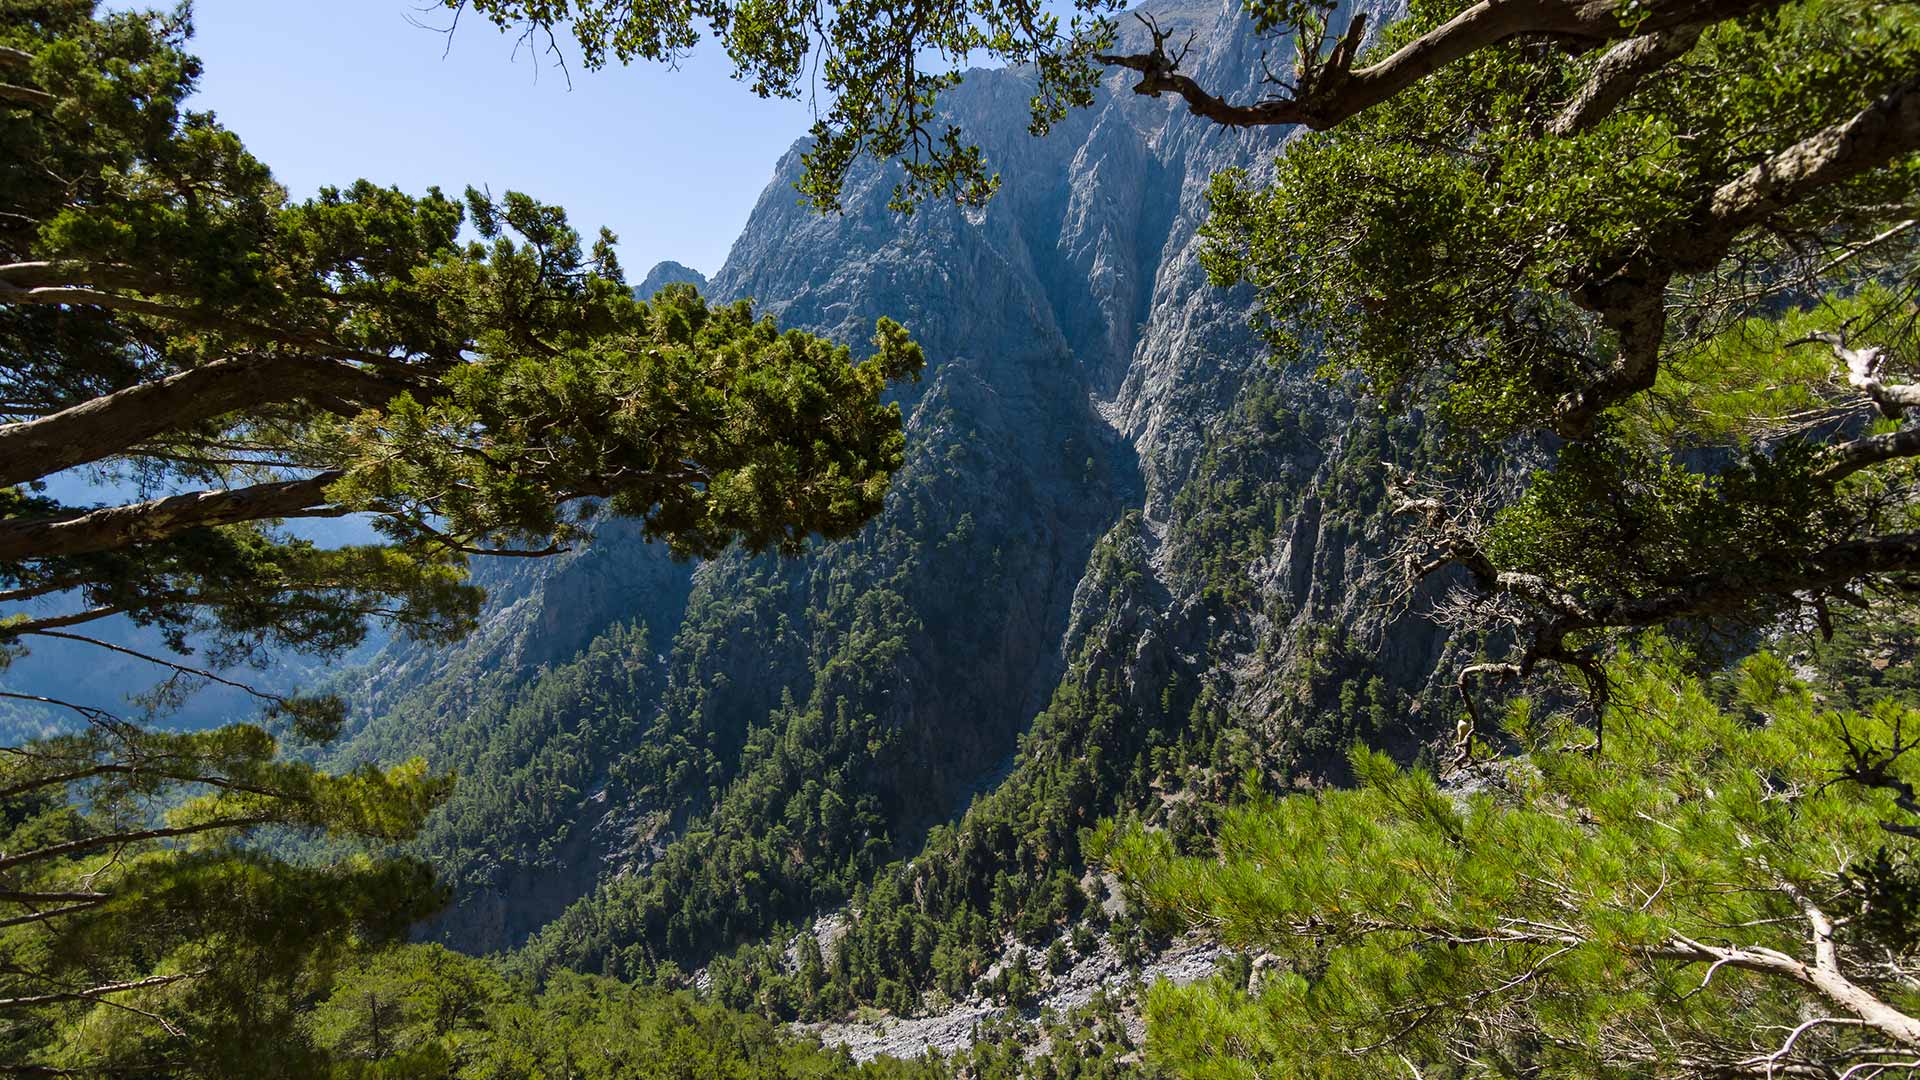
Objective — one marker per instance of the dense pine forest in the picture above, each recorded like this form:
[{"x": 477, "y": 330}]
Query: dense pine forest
[{"x": 1296, "y": 538}]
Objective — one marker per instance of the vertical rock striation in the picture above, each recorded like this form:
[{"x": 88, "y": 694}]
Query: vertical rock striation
[{"x": 1106, "y": 472}]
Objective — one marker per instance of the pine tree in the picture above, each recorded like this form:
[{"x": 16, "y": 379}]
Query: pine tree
[
  {"x": 169, "y": 316},
  {"x": 143, "y": 928},
  {"x": 1594, "y": 258},
  {"x": 1721, "y": 888}
]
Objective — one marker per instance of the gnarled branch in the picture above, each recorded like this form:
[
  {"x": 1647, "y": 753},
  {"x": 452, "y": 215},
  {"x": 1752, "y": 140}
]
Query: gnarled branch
[
  {"x": 1619, "y": 73},
  {"x": 159, "y": 519},
  {"x": 1330, "y": 91},
  {"x": 1631, "y": 300},
  {"x": 116, "y": 422}
]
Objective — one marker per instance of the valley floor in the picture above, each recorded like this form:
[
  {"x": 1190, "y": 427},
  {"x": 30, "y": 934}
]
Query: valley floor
[{"x": 1189, "y": 959}]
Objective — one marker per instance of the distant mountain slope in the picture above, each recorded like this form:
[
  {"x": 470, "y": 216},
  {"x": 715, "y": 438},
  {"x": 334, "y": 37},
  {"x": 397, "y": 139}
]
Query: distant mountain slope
[
  {"x": 531, "y": 711},
  {"x": 1127, "y": 562},
  {"x": 96, "y": 677}
]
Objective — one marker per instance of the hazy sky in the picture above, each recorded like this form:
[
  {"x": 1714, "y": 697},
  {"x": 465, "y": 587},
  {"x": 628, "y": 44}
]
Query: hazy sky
[{"x": 328, "y": 91}]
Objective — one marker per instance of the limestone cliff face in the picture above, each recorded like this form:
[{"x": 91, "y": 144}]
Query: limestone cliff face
[
  {"x": 1086, "y": 389},
  {"x": 520, "y": 705},
  {"x": 1075, "y": 344}
]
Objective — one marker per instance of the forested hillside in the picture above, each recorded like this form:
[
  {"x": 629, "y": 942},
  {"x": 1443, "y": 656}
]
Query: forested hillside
[
  {"x": 1127, "y": 563},
  {"x": 1385, "y": 544}
]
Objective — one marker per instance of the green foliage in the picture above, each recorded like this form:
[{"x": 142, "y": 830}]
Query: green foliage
[
  {"x": 1762, "y": 376},
  {"x": 1869, "y": 656},
  {"x": 880, "y": 66},
  {"x": 1467, "y": 232},
  {"x": 350, "y": 353},
  {"x": 1615, "y": 518},
  {"x": 405, "y": 1005},
  {"x": 423, "y": 1013},
  {"x": 1563, "y": 919},
  {"x": 1637, "y": 283},
  {"x": 720, "y": 426},
  {"x": 142, "y": 930}
]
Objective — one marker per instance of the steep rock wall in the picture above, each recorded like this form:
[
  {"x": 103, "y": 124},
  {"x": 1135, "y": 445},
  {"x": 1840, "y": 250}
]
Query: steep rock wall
[{"x": 1108, "y": 481}]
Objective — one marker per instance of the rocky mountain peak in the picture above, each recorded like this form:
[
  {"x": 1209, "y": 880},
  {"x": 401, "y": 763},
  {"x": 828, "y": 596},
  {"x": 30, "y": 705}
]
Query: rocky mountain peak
[{"x": 667, "y": 273}]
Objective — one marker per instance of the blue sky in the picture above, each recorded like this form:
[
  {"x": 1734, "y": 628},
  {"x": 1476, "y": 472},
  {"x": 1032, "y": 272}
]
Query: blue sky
[{"x": 329, "y": 91}]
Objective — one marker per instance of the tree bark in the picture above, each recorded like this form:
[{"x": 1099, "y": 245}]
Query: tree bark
[
  {"x": 1845, "y": 459},
  {"x": 1333, "y": 92},
  {"x": 159, "y": 519},
  {"x": 1619, "y": 73},
  {"x": 1869, "y": 139},
  {"x": 113, "y": 423},
  {"x": 1824, "y": 976}
]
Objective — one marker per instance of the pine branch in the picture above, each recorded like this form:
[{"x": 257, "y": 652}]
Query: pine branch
[
  {"x": 97, "y": 992},
  {"x": 158, "y": 519}
]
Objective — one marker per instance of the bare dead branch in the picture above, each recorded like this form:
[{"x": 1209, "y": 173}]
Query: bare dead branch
[
  {"x": 173, "y": 665},
  {"x": 94, "y": 993}
]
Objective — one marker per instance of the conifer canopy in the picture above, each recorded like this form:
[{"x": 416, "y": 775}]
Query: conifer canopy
[
  {"x": 464, "y": 372},
  {"x": 1723, "y": 888}
]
